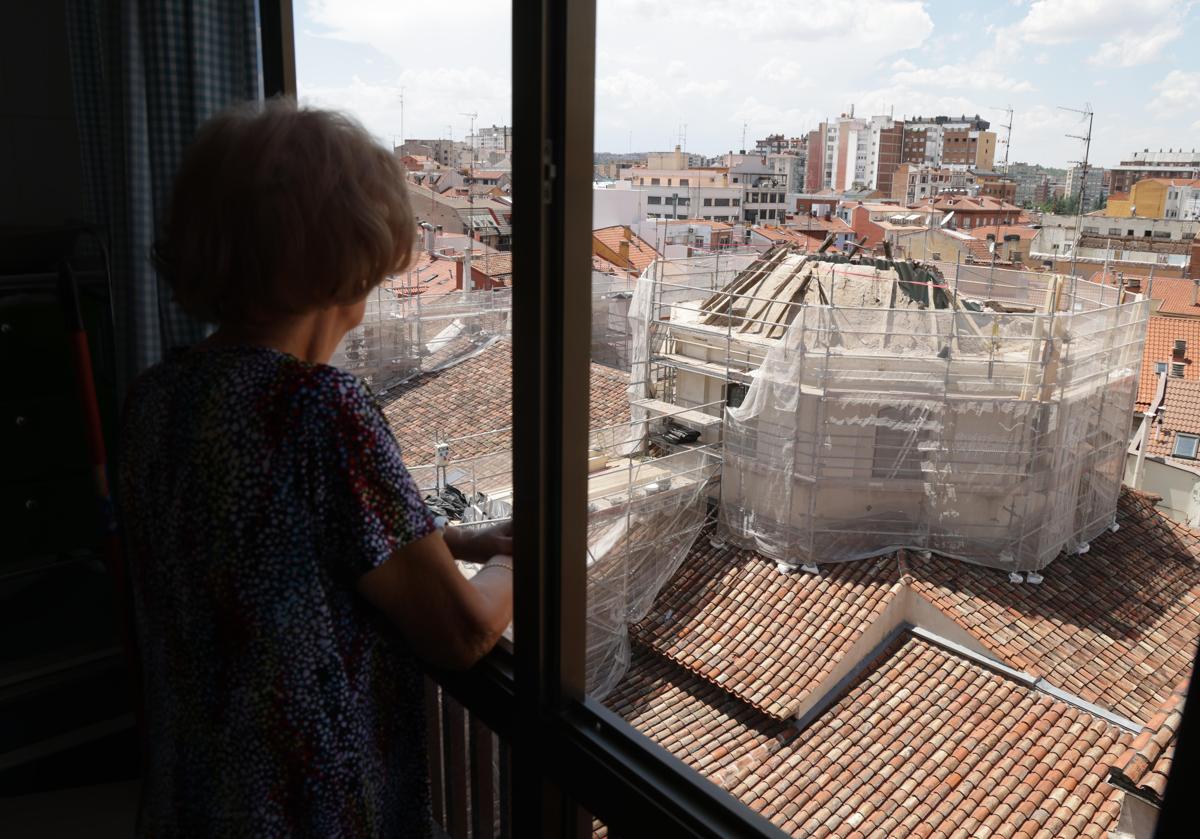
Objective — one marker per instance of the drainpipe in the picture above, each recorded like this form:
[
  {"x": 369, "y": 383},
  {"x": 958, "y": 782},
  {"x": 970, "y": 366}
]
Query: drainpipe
[{"x": 1140, "y": 465}]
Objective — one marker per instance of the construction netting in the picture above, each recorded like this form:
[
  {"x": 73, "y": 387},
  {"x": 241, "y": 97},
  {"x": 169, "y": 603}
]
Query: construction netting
[
  {"x": 983, "y": 416},
  {"x": 646, "y": 501},
  {"x": 405, "y": 332}
]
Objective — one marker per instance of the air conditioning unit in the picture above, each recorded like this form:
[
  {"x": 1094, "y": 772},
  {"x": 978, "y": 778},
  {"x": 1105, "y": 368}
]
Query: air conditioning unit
[
  {"x": 1180, "y": 348},
  {"x": 1177, "y": 368}
]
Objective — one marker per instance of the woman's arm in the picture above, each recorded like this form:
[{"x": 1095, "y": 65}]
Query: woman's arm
[{"x": 448, "y": 620}]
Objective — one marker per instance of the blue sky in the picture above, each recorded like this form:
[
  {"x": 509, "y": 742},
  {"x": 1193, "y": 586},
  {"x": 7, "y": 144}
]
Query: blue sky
[{"x": 781, "y": 66}]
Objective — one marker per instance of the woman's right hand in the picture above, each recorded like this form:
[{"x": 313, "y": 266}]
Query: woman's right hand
[{"x": 448, "y": 620}]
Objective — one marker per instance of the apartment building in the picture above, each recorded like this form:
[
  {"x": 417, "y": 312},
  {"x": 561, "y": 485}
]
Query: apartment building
[
  {"x": 996, "y": 185},
  {"x": 1167, "y": 198},
  {"x": 705, "y": 193},
  {"x": 1092, "y": 185},
  {"x": 764, "y": 190},
  {"x": 853, "y": 152},
  {"x": 913, "y": 182},
  {"x": 962, "y": 142},
  {"x": 1029, "y": 177},
  {"x": 1172, "y": 163}
]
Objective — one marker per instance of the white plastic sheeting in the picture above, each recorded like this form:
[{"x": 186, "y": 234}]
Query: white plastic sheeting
[
  {"x": 404, "y": 335},
  {"x": 996, "y": 437},
  {"x": 644, "y": 512},
  {"x": 873, "y": 422},
  {"x": 638, "y": 536}
]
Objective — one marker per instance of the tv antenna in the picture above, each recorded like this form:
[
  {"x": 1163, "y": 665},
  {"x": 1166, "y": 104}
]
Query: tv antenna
[
  {"x": 1007, "y": 141},
  {"x": 1085, "y": 112},
  {"x": 468, "y": 284},
  {"x": 402, "y": 116}
]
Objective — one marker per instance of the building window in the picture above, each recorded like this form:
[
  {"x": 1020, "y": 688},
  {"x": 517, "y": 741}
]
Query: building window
[
  {"x": 737, "y": 202},
  {"x": 683, "y": 182},
  {"x": 1160, "y": 367},
  {"x": 653, "y": 199},
  {"x": 654, "y": 182},
  {"x": 1177, "y": 369},
  {"x": 708, "y": 202},
  {"x": 718, "y": 202},
  {"x": 1185, "y": 445}
]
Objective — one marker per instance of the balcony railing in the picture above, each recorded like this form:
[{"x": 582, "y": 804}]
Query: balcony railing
[{"x": 470, "y": 770}]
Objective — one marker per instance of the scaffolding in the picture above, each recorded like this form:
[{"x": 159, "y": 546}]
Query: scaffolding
[
  {"x": 648, "y": 496},
  {"x": 873, "y": 404},
  {"x": 405, "y": 332}
]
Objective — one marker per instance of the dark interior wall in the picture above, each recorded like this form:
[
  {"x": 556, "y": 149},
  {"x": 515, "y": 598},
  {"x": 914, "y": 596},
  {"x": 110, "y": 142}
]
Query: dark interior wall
[{"x": 40, "y": 171}]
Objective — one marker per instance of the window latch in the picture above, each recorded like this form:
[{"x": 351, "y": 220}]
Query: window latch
[{"x": 549, "y": 171}]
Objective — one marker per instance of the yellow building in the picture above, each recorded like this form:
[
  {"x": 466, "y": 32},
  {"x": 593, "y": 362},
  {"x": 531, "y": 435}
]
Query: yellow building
[
  {"x": 985, "y": 151},
  {"x": 1147, "y": 199}
]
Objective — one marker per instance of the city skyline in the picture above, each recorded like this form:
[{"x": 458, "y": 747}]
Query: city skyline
[{"x": 657, "y": 72}]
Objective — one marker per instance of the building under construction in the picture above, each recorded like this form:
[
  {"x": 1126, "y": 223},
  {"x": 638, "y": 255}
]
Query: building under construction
[{"x": 871, "y": 404}]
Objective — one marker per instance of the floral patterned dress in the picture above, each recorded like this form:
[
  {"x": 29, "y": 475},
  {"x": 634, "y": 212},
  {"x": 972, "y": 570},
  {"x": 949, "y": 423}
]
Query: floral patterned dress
[{"x": 255, "y": 489}]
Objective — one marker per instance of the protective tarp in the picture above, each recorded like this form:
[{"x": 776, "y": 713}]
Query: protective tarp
[
  {"x": 639, "y": 533},
  {"x": 644, "y": 511},
  {"x": 403, "y": 335},
  {"x": 989, "y": 426},
  {"x": 996, "y": 437}
]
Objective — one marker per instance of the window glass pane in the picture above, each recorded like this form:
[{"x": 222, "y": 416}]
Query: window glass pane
[
  {"x": 435, "y": 342},
  {"x": 1185, "y": 445},
  {"x": 898, "y": 445}
]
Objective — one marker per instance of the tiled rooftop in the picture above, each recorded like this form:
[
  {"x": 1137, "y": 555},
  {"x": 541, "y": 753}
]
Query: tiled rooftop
[
  {"x": 475, "y": 395},
  {"x": 641, "y": 254},
  {"x": 1116, "y": 626},
  {"x": 1145, "y": 764},
  {"x": 767, "y": 638},
  {"x": 833, "y": 224},
  {"x": 1180, "y": 413},
  {"x": 495, "y": 265},
  {"x": 1161, "y": 334},
  {"x": 929, "y": 743},
  {"x": 709, "y": 730}
]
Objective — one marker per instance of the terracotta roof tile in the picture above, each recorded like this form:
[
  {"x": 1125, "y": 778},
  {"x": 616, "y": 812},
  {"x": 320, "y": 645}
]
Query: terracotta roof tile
[
  {"x": 641, "y": 253},
  {"x": 1145, "y": 764},
  {"x": 1175, "y": 295},
  {"x": 1180, "y": 413},
  {"x": 475, "y": 395},
  {"x": 805, "y": 223},
  {"x": 497, "y": 265},
  {"x": 1117, "y": 626},
  {"x": 706, "y": 727},
  {"x": 1161, "y": 334},
  {"x": 766, "y": 637},
  {"x": 926, "y": 742}
]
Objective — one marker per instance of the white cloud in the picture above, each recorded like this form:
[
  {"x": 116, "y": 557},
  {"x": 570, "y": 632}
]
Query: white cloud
[
  {"x": 1133, "y": 48},
  {"x": 1145, "y": 27},
  {"x": 969, "y": 76},
  {"x": 778, "y": 66},
  {"x": 784, "y": 70},
  {"x": 1178, "y": 93}
]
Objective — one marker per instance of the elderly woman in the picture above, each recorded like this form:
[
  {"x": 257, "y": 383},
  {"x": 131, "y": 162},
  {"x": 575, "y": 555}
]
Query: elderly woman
[{"x": 286, "y": 574}]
